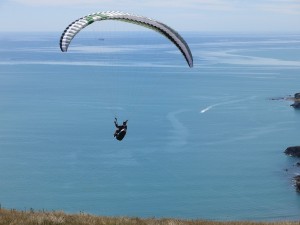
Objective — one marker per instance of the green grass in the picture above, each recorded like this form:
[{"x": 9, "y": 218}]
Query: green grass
[{"x": 14, "y": 217}]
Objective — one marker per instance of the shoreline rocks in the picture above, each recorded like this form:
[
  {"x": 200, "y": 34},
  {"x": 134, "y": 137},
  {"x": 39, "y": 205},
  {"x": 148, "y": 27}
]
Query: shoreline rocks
[
  {"x": 295, "y": 99},
  {"x": 293, "y": 151},
  {"x": 296, "y": 103},
  {"x": 297, "y": 182}
]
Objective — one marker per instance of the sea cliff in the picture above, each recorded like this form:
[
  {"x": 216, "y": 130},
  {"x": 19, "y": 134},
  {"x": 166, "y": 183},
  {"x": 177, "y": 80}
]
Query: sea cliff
[
  {"x": 296, "y": 99},
  {"x": 294, "y": 151}
]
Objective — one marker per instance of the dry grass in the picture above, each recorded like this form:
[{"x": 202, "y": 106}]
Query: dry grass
[{"x": 13, "y": 217}]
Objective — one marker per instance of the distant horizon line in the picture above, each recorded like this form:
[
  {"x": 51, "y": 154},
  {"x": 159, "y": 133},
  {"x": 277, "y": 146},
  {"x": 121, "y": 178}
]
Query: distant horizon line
[{"x": 180, "y": 31}]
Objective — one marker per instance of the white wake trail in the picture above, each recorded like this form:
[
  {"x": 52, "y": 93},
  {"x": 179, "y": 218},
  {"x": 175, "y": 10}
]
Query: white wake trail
[
  {"x": 206, "y": 109},
  {"x": 226, "y": 103}
]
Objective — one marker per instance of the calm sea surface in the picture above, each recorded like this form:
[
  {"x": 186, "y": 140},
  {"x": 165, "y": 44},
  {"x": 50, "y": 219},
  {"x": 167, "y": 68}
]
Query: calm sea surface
[{"x": 205, "y": 142}]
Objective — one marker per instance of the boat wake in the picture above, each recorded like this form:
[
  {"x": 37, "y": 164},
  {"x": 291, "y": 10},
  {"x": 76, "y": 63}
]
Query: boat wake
[{"x": 226, "y": 103}]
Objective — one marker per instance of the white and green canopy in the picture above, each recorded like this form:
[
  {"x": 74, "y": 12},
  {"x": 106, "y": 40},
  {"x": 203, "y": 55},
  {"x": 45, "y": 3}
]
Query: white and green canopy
[{"x": 75, "y": 27}]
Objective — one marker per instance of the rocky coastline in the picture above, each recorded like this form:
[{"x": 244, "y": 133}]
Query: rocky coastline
[
  {"x": 296, "y": 100},
  {"x": 297, "y": 183},
  {"x": 294, "y": 151}
]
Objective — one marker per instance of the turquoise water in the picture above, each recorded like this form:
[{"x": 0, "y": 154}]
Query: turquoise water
[{"x": 202, "y": 143}]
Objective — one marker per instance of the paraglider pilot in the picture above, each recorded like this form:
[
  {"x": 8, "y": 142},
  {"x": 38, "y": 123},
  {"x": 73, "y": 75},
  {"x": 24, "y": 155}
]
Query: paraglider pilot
[{"x": 121, "y": 130}]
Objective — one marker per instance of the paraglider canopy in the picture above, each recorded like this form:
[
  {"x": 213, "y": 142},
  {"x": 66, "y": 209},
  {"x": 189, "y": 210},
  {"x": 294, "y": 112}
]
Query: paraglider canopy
[{"x": 75, "y": 27}]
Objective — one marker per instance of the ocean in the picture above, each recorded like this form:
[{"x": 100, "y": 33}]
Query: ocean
[{"x": 203, "y": 143}]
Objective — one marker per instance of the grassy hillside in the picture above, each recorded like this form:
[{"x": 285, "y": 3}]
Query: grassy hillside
[{"x": 13, "y": 217}]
